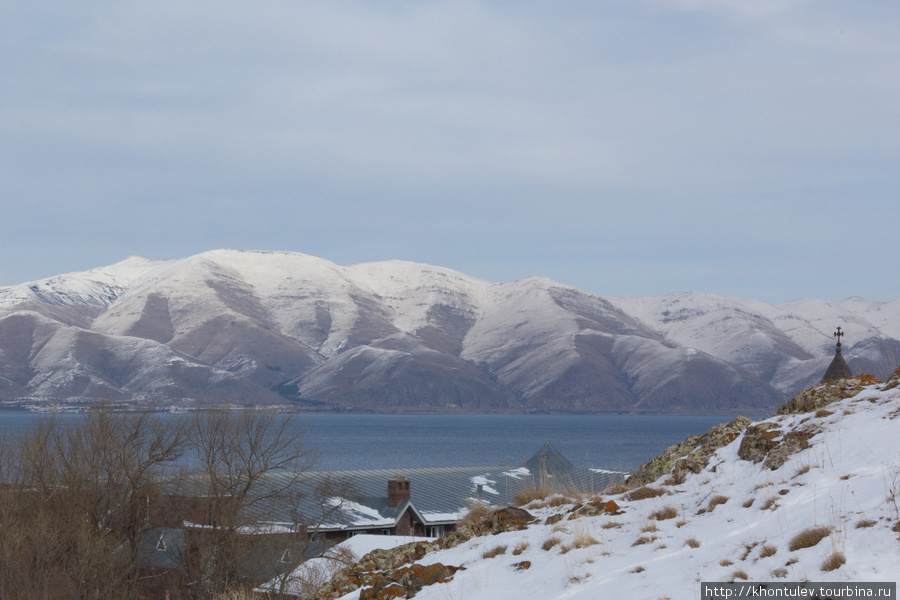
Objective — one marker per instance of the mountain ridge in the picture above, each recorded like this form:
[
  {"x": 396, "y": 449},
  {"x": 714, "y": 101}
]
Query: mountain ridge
[{"x": 232, "y": 326}]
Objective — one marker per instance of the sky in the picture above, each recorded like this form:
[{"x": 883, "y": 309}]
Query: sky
[{"x": 626, "y": 147}]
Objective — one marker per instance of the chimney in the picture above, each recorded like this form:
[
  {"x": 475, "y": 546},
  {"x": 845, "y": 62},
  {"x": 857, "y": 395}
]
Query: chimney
[{"x": 398, "y": 491}]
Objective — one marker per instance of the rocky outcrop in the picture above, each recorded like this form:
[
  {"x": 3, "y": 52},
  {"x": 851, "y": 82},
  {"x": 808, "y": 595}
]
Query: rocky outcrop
[
  {"x": 768, "y": 444},
  {"x": 824, "y": 394},
  {"x": 691, "y": 455},
  {"x": 405, "y": 582}
]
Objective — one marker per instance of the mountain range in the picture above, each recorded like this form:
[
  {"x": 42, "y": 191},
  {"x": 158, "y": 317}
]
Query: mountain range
[{"x": 279, "y": 328}]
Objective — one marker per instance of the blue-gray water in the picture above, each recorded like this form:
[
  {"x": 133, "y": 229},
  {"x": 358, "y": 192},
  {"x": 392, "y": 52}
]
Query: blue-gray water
[{"x": 619, "y": 442}]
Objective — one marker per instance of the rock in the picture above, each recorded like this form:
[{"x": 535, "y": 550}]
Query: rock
[
  {"x": 690, "y": 456},
  {"x": 406, "y": 582},
  {"x": 593, "y": 508},
  {"x": 522, "y": 566},
  {"x": 510, "y": 518},
  {"x": 821, "y": 395}
]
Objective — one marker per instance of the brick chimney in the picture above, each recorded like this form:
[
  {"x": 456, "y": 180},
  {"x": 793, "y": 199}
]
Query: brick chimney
[{"x": 398, "y": 491}]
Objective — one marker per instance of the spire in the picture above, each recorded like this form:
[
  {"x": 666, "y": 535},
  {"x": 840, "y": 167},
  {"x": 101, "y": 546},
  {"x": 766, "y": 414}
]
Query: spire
[{"x": 838, "y": 368}]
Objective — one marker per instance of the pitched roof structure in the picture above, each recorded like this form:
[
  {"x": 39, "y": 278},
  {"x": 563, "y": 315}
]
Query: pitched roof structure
[{"x": 838, "y": 369}]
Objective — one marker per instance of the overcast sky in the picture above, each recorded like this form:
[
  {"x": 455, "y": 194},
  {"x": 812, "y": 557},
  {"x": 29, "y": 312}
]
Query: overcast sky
[{"x": 741, "y": 147}]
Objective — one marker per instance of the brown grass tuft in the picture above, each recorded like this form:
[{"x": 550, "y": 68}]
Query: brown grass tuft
[
  {"x": 715, "y": 501},
  {"x": 611, "y": 525},
  {"x": 692, "y": 542},
  {"x": 529, "y": 495},
  {"x": 520, "y": 548},
  {"x": 767, "y": 551},
  {"x": 822, "y": 413},
  {"x": 834, "y": 561},
  {"x": 550, "y": 542},
  {"x": 638, "y": 570},
  {"x": 649, "y": 528},
  {"x": 644, "y": 540},
  {"x": 779, "y": 572},
  {"x": 748, "y": 502},
  {"x": 478, "y": 512},
  {"x": 865, "y": 523},
  {"x": 645, "y": 492},
  {"x": 666, "y": 512},
  {"x": 771, "y": 503},
  {"x": 808, "y": 538},
  {"x": 495, "y": 551},
  {"x": 739, "y": 574},
  {"x": 725, "y": 563}
]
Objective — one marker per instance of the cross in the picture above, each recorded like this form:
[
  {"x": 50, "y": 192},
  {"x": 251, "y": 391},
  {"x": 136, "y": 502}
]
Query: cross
[{"x": 838, "y": 335}]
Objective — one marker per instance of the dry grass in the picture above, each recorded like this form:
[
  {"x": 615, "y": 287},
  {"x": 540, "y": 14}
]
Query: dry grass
[
  {"x": 767, "y": 551},
  {"x": 681, "y": 523},
  {"x": 715, "y": 501},
  {"x": 739, "y": 574},
  {"x": 520, "y": 548},
  {"x": 644, "y": 539},
  {"x": 666, "y": 512},
  {"x": 865, "y": 523},
  {"x": 802, "y": 470},
  {"x": 495, "y": 551},
  {"x": 808, "y": 538},
  {"x": 834, "y": 561},
  {"x": 638, "y": 570},
  {"x": 725, "y": 563},
  {"x": 692, "y": 542},
  {"x": 779, "y": 572},
  {"x": 649, "y": 528},
  {"x": 551, "y": 541},
  {"x": 822, "y": 413},
  {"x": 771, "y": 503},
  {"x": 748, "y": 502},
  {"x": 584, "y": 539},
  {"x": 748, "y": 548},
  {"x": 792, "y": 561},
  {"x": 478, "y": 512},
  {"x": 532, "y": 494},
  {"x": 645, "y": 492},
  {"x": 611, "y": 525}
]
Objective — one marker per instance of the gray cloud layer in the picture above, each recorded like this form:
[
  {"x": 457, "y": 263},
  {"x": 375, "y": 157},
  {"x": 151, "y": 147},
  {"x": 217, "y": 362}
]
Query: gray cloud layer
[{"x": 627, "y": 148}]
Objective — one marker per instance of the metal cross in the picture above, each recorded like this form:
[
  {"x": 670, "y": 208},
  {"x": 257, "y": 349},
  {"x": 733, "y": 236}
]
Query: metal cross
[{"x": 838, "y": 335}]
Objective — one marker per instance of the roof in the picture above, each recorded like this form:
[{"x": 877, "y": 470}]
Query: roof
[
  {"x": 343, "y": 500},
  {"x": 838, "y": 369}
]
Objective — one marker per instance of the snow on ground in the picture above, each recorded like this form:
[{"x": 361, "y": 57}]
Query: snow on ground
[{"x": 735, "y": 519}]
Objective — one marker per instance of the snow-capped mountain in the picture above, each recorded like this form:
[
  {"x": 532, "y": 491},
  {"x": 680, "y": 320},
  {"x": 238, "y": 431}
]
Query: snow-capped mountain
[{"x": 272, "y": 327}]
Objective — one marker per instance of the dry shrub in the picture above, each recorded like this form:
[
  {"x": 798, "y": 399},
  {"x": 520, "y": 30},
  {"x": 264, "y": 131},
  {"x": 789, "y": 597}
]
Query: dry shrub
[
  {"x": 808, "y": 538},
  {"x": 767, "y": 551},
  {"x": 692, "y": 542},
  {"x": 550, "y": 542},
  {"x": 715, "y": 501},
  {"x": 666, "y": 512},
  {"x": 865, "y": 523},
  {"x": 645, "y": 492},
  {"x": 495, "y": 551},
  {"x": 531, "y": 494},
  {"x": 834, "y": 561},
  {"x": 520, "y": 548},
  {"x": 477, "y": 513}
]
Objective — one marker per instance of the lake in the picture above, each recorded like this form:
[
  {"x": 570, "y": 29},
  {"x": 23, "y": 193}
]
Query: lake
[{"x": 367, "y": 441}]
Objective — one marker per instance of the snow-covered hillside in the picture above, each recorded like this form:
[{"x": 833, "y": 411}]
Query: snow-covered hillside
[
  {"x": 830, "y": 512},
  {"x": 277, "y": 327}
]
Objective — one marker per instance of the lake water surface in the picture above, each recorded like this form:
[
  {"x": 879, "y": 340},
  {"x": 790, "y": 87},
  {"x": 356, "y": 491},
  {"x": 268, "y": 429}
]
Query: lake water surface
[{"x": 357, "y": 441}]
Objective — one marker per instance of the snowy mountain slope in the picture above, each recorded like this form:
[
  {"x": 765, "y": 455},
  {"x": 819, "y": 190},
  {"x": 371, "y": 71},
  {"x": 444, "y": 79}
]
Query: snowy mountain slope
[
  {"x": 399, "y": 336},
  {"x": 830, "y": 513}
]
